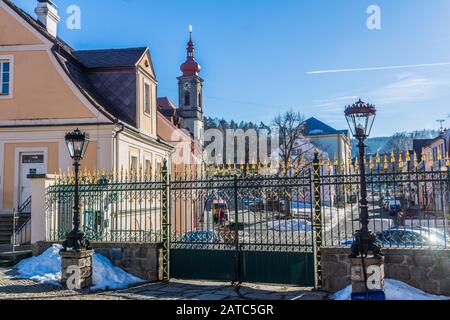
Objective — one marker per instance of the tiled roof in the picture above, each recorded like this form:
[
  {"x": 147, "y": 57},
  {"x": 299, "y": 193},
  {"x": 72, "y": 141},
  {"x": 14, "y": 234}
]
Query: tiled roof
[
  {"x": 165, "y": 103},
  {"x": 109, "y": 58},
  {"x": 315, "y": 127}
]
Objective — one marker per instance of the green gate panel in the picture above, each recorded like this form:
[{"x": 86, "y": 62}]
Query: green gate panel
[
  {"x": 193, "y": 264},
  {"x": 291, "y": 268}
]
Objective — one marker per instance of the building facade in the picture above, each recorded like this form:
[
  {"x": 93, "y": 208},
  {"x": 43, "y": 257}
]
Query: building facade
[
  {"x": 49, "y": 88},
  {"x": 336, "y": 143}
]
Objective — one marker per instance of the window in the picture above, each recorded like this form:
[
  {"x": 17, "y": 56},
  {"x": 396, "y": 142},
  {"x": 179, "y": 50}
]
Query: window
[
  {"x": 5, "y": 78},
  {"x": 187, "y": 98},
  {"x": 134, "y": 164},
  {"x": 147, "y": 99}
]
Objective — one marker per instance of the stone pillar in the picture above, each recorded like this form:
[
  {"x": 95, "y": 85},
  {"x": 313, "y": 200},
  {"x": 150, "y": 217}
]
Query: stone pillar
[
  {"x": 39, "y": 185},
  {"x": 76, "y": 269},
  {"x": 375, "y": 274}
]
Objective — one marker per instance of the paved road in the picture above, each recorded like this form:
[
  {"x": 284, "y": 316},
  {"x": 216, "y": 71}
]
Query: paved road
[{"x": 12, "y": 289}]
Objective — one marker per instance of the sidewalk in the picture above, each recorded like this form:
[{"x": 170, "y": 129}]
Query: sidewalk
[{"x": 175, "y": 290}]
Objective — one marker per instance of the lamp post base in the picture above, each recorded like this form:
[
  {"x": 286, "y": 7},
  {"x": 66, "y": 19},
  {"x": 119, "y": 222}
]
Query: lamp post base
[
  {"x": 365, "y": 243},
  {"x": 76, "y": 241},
  {"x": 367, "y": 275},
  {"x": 76, "y": 269}
]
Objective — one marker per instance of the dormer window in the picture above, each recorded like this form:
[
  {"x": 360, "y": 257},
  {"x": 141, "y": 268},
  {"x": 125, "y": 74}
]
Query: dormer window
[{"x": 5, "y": 77}]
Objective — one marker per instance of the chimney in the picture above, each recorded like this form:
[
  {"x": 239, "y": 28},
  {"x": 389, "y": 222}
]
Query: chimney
[{"x": 47, "y": 14}]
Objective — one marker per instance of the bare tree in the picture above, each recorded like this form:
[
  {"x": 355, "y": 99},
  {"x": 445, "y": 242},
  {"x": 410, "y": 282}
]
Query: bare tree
[{"x": 291, "y": 128}]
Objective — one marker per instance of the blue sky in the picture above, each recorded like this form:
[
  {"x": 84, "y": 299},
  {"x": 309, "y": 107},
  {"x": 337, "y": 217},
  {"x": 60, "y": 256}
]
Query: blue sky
[{"x": 257, "y": 55}]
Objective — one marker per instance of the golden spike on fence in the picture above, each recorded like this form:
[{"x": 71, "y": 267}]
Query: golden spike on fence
[
  {"x": 393, "y": 160},
  {"x": 139, "y": 174},
  {"x": 335, "y": 162},
  {"x": 408, "y": 156},
  {"x": 371, "y": 165},
  {"x": 342, "y": 167},
  {"x": 386, "y": 163},
  {"x": 283, "y": 168},
  {"x": 121, "y": 173},
  {"x": 296, "y": 166},
  {"x": 175, "y": 171},
  {"x": 202, "y": 170},
  {"x": 356, "y": 164},
  {"x": 378, "y": 158},
  {"x": 116, "y": 175},
  {"x": 303, "y": 165},
  {"x": 431, "y": 160},
  {"x": 224, "y": 171},
  {"x": 290, "y": 165},
  {"x": 329, "y": 166},
  {"x": 322, "y": 160},
  {"x": 416, "y": 161},
  {"x": 126, "y": 176},
  {"x": 447, "y": 159},
  {"x": 439, "y": 155},
  {"x": 424, "y": 155},
  {"x": 85, "y": 173},
  {"x": 400, "y": 161}
]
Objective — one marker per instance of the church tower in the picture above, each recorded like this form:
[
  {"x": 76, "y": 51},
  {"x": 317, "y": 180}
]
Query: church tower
[{"x": 190, "y": 92}]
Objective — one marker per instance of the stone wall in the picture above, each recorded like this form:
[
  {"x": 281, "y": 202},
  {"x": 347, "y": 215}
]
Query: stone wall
[
  {"x": 428, "y": 270},
  {"x": 142, "y": 260}
]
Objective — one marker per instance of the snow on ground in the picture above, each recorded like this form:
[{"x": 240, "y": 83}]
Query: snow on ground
[
  {"x": 395, "y": 290},
  {"x": 46, "y": 268},
  {"x": 294, "y": 225}
]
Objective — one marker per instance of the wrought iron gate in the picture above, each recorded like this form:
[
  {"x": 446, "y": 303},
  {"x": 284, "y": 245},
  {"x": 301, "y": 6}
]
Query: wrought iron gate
[{"x": 243, "y": 228}]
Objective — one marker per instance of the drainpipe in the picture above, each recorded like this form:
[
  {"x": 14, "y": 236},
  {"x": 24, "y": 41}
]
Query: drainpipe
[{"x": 116, "y": 144}]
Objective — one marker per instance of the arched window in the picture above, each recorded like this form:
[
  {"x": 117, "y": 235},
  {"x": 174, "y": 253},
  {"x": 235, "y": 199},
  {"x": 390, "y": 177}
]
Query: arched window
[{"x": 187, "y": 98}]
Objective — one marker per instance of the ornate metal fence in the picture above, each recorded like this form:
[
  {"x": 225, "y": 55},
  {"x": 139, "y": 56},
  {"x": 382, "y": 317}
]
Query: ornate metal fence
[
  {"x": 113, "y": 208},
  {"x": 236, "y": 215}
]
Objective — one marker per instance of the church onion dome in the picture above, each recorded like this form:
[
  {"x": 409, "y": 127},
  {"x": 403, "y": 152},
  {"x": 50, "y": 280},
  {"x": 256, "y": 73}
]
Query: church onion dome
[{"x": 190, "y": 67}]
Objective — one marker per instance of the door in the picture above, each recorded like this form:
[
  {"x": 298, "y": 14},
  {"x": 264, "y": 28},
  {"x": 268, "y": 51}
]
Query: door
[{"x": 30, "y": 163}]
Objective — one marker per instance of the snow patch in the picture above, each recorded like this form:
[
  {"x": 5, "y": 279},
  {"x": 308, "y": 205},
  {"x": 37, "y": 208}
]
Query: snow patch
[
  {"x": 294, "y": 225},
  {"x": 46, "y": 268},
  {"x": 394, "y": 290}
]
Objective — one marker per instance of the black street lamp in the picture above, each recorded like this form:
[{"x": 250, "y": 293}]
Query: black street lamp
[
  {"x": 77, "y": 143},
  {"x": 360, "y": 117}
]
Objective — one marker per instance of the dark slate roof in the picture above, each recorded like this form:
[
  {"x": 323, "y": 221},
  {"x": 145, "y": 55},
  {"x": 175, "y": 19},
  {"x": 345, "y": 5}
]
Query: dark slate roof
[
  {"x": 110, "y": 58},
  {"x": 419, "y": 144},
  {"x": 315, "y": 127}
]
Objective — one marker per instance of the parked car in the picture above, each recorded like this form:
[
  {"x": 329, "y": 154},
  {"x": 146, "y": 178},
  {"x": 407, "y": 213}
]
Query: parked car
[
  {"x": 394, "y": 207},
  {"x": 202, "y": 237},
  {"x": 409, "y": 237}
]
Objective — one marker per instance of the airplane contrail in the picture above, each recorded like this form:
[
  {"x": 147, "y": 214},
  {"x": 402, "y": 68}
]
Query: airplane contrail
[{"x": 381, "y": 68}]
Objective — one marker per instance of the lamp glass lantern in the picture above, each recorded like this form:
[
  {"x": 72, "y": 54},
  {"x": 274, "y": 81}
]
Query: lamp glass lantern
[
  {"x": 360, "y": 118},
  {"x": 77, "y": 143}
]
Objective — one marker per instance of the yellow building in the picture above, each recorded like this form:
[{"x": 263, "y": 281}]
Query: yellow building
[{"x": 47, "y": 89}]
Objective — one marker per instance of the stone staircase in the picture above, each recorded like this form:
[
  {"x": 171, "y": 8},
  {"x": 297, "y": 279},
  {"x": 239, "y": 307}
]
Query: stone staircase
[
  {"x": 10, "y": 257},
  {"x": 6, "y": 226},
  {"x": 6, "y": 229}
]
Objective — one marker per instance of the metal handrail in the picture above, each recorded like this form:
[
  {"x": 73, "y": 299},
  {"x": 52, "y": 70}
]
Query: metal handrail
[{"x": 24, "y": 205}]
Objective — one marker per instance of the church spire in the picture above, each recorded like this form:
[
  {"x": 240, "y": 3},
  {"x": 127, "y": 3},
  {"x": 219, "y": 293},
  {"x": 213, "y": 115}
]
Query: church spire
[{"x": 190, "y": 67}]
